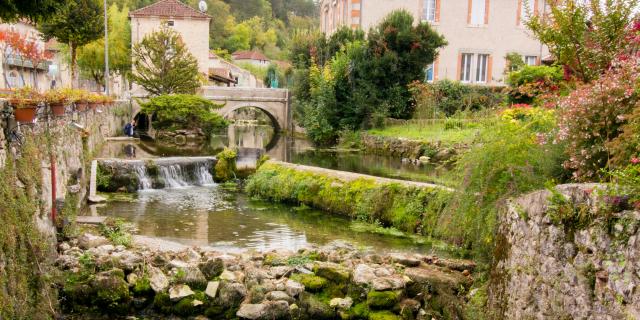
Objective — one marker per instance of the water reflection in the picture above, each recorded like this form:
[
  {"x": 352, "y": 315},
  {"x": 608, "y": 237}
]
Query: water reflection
[
  {"x": 211, "y": 216},
  {"x": 253, "y": 140}
]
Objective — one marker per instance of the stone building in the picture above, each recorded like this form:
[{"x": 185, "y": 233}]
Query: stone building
[
  {"x": 18, "y": 72},
  {"x": 480, "y": 32},
  {"x": 190, "y": 23}
]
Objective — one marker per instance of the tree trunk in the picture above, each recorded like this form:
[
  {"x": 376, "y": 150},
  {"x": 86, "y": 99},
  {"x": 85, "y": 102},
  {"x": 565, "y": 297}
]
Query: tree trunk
[{"x": 74, "y": 80}]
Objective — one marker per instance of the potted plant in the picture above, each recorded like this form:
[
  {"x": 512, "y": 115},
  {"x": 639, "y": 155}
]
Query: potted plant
[
  {"x": 79, "y": 98},
  {"x": 94, "y": 100},
  {"x": 56, "y": 100},
  {"x": 25, "y": 104},
  {"x": 107, "y": 100}
]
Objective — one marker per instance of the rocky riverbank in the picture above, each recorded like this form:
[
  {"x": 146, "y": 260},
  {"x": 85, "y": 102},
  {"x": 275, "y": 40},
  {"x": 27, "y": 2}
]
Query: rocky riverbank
[
  {"x": 410, "y": 150},
  {"x": 105, "y": 281}
]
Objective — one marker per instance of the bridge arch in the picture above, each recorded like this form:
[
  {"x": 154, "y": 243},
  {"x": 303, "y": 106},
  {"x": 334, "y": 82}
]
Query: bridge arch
[{"x": 227, "y": 111}]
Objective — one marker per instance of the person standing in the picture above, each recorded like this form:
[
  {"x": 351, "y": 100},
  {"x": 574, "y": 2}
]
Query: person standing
[{"x": 130, "y": 128}]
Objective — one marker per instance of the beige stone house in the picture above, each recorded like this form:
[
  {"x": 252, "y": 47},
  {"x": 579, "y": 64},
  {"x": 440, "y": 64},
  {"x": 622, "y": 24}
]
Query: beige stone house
[
  {"x": 190, "y": 23},
  {"x": 480, "y": 32},
  {"x": 17, "y": 72}
]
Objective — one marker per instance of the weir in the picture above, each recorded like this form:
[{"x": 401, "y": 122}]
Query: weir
[{"x": 160, "y": 173}]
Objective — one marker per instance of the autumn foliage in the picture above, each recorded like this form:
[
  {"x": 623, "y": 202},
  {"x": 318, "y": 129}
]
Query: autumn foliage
[{"x": 13, "y": 43}]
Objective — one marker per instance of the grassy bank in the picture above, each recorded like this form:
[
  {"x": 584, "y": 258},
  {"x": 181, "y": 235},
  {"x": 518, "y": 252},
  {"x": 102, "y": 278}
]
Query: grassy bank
[
  {"x": 407, "y": 208},
  {"x": 447, "y": 134}
]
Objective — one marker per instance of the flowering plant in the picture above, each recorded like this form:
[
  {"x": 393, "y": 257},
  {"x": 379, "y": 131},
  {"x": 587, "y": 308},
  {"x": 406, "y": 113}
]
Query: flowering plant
[{"x": 25, "y": 98}]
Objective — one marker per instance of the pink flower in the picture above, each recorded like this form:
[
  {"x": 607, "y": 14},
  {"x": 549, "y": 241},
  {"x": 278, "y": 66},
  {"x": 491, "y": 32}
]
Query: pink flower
[{"x": 635, "y": 160}]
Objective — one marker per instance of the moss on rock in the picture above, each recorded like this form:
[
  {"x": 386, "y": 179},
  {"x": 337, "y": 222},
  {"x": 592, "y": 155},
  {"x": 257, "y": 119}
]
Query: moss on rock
[
  {"x": 311, "y": 282},
  {"x": 382, "y": 299},
  {"x": 383, "y": 315}
]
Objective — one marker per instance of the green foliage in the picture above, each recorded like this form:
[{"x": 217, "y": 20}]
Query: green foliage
[
  {"x": 515, "y": 156},
  {"x": 627, "y": 182},
  {"x": 312, "y": 283},
  {"x": 77, "y": 23},
  {"x": 181, "y": 111},
  {"x": 35, "y": 10},
  {"x": 25, "y": 283},
  {"x": 593, "y": 117},
  {"x": 408, "y": 209},
  {"x": 514, "y": 62},
  {"x": 529, "y": 82},
  {"x": 381, "y": 299},
  {"x": 446, "y": 98},
  {"x": 118, "y": 231},
  {"x": 225, "y": 168},
  {"x": 162, "y": 64},
  {"x": 585, "y": 36},
  {"x": 625, "y": 147},
  {"x": 91, "y": 56},
  {"x": 349, "y": 83}
]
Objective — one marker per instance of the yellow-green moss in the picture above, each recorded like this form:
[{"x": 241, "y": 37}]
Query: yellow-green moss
[
  {"x": 382, "y": 299},
  {"x": 311, "y": 282},
  {"x": 383, "y": 315}
]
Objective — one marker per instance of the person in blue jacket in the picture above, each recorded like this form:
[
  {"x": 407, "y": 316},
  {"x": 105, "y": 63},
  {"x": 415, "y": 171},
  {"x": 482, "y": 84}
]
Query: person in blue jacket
[{"x": 129, "y": 128}]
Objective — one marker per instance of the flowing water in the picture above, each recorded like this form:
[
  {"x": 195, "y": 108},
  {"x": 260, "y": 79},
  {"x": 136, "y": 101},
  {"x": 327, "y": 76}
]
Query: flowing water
[{"x": 227, "y": 220}]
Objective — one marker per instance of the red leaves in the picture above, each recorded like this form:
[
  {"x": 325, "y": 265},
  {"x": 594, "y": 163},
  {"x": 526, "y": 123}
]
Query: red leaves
[{"x": 18, "y": 43}]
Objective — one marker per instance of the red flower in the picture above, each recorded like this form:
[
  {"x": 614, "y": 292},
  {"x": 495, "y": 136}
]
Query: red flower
[{"x": 635, "y": 160}]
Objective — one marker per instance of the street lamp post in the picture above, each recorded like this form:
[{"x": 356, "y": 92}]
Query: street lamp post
[{"x": 106, "y": 50}]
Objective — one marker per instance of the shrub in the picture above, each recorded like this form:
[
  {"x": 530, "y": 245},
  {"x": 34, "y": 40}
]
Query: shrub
[
  {"x": 515, "y": 157},
  {"x": 627, "y": 145},
  {"x": 182, "y": 111},
  {"x": 533, "y": 81},
  {"x": 593, "y": 115},
  {"x": 445, "y": 98},
  {"x": 225, "y": 168}
]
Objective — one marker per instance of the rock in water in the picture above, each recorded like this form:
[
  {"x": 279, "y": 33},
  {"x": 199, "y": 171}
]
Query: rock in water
[
  {"x": 88, "y": 241},
  {"x": 266, "y": 310},
  {"x": 180, "y": 291},
  {"x": 212, "y": 268},
  {"x": 212, "y": 289},
  {"x": 157, "y": 279}
]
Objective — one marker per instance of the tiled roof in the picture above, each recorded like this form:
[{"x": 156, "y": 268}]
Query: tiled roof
[
  {"x": 249, "y": 55},
  {"x": 221, "y": 74},
  {"x": 169, "y": 8}
]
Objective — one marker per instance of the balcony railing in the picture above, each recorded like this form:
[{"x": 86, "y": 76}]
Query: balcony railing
[{"x": 17, "y": 61}]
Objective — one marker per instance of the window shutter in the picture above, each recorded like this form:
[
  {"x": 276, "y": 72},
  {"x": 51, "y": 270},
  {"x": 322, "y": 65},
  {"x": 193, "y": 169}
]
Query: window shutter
[
  {"x": 459, "y": 71},
  {"x": 486, "y": 11},
  {"x": 490, "y": 69},
  {"x": 469, "y": 11},
  {"x": 435, "y": 67},
  {"x": 519, "y": 12},
  {"x": 438, "y": 10}
]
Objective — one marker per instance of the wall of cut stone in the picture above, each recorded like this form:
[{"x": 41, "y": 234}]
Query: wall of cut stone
[
  {"x": 573, "y": 258},
  {"x": 72, "y": 140}
]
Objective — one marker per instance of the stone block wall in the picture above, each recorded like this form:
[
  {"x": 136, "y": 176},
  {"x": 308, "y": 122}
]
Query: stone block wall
[
  {"x": 573, "y": 258},
  {"x": 72, "y": 140}
]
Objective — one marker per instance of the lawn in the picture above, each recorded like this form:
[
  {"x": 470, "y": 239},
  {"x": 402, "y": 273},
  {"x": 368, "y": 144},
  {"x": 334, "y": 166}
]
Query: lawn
[{"x": 429, "y": 132}]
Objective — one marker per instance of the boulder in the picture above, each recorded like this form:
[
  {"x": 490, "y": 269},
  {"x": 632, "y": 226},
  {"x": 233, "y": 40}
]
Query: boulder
[
  {"x": 363, "y": 274},
  {"x": 332, "y": 271},
  {"x": 341, "y": 303},
  {"x": 228, "y": 276},
  {"x": 279, "y": 296},
  {"x": 405, "y": 259},
  {"x": 387, "y": 283},
  {"x": 126, "y": 260},
  {"x": 267, "y": 310},
  {"x": 437, "y": 277},
  {"x": 111, "y": 290},
  {"x": 193, "y": 277},
  {"x": 157, "y": 279},
  {"x": 180, "y": 291},
  {"x": 212, "y": 268},
  {"x": 212, "y": 288},
  {"x": 232, "y": 294},
  {"x": 315, "y": 308},
  {"x": 88, "y": 241},
  {"x": 293, "y": 288}
]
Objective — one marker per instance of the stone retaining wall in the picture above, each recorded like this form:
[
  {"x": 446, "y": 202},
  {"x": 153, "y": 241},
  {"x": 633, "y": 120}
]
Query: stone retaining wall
[
  {"x": 409, "y": 149},
  {"x": 72, "y": 145},
  {"x": 573, "y": 257}
]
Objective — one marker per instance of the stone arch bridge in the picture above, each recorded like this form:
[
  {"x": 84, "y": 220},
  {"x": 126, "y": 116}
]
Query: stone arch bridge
[{"x": 275, "y": 103}]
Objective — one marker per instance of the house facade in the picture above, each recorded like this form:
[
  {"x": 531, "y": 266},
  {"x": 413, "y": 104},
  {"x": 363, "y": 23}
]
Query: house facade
[
  {"x": 18, "y": 72},
  {"x": 226, "y": 74},
  {"x": 191, "y": 24},
  {"x": 252, "y": 57},
  {"x": 480, "y": 33}
]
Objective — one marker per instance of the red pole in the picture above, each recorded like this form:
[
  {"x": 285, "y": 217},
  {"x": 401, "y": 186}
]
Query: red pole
[{"x": 53, "y": 188}]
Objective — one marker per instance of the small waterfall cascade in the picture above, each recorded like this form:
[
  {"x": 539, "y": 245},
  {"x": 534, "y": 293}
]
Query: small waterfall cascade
[{"x": 177, "y": 173}]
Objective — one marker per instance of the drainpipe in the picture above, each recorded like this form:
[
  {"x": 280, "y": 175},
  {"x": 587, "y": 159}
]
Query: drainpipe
[{"x": 52, "y": 159}]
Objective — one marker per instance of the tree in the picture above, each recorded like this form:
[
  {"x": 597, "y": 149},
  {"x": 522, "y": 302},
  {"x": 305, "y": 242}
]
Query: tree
[
  {"x": 35, "y": 10},
  {"x": 585, "y": 36},
  {"x": 76, "y": 24},
  {"x": 35, "y": 55},
  {"x": 163, "y": 65},
  {"x": 91, "y": 56},
  {"x": 15, "y": 44}
]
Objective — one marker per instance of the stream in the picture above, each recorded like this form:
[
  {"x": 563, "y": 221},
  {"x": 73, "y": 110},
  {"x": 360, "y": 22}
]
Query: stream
[{"x": 221, "y": 217}]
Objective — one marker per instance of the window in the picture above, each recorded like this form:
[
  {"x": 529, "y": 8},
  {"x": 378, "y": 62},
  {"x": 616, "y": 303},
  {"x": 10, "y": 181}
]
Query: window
[
  {"x": 531, "y": 60},
  {"x": 429, "y": 73},
  {"x": 477, "y": 12},
  {"x": 482, "y": 65},
  {"x": 170, "y": 23},
  {"x": 14, "y": 80},
  {"x": 475, "y": 68},
  {"x": 527, "y": 8},
  {"x": 429, "y": 13},
  {"x": 465, "y": 67}
]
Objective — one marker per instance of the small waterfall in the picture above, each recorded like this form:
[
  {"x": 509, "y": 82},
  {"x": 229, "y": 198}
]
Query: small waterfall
[
  {"x": 173, "y": 175},
  {"x": 143, "y": 177}
]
